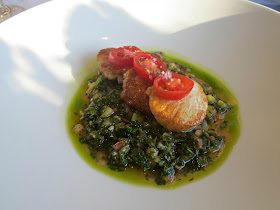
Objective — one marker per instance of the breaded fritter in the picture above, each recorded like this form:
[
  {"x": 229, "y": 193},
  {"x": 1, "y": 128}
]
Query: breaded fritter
[
  {"x": 134, "y": 92},
  {"x": 179, "y": 115},
  {"x": 108, "y": 70}
]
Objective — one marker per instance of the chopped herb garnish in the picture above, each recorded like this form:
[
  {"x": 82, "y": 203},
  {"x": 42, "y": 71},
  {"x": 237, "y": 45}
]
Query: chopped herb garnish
[{"x": 127, "y": 138}]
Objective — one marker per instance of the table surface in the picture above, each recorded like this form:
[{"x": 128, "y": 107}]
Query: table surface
[{"x": 27, "y": 4}]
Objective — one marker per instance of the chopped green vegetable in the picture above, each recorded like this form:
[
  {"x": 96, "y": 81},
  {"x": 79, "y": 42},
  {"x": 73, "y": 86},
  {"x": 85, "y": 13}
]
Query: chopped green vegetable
[
  {"x": 211, "y": 99},
  {"x": 107, "y": 113},
  {"x": 127, "y": 138},
  {"x": 221, "y": 104}
]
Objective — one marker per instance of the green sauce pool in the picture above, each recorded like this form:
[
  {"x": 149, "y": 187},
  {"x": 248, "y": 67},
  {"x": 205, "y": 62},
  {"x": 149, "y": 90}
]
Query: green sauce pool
[{"x": 137, "y": 177}]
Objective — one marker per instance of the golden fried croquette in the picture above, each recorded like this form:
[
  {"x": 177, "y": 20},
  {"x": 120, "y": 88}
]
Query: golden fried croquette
[
  {"x": 179, "y": 115},
  {"x": 108, "y": 70},
  {"x": 134, "y": 92}
]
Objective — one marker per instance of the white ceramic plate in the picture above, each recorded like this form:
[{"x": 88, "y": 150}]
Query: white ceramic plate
[{"x": 42, "y": 49}]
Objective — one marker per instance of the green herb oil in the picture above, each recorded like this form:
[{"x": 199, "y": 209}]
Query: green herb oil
[{"x": 141, "y": 178}]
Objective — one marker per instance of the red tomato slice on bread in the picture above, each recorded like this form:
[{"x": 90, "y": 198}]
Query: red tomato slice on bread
[
  {"x": 148, "y": 66},
  {"x": 123, "y": 56},
  {"x": 173, "y": 86}
]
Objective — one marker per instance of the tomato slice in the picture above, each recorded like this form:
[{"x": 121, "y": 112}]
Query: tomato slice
[
  {"x": 148, "y": 66},
  {"x": 173, "y": 86},
  {"x": 123, "y": 56}
]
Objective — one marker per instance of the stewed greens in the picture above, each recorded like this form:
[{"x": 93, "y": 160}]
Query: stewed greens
[{"x": 128, "y": 139}]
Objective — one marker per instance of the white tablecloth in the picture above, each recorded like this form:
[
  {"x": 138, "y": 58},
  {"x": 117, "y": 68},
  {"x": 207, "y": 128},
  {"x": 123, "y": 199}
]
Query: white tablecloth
[{"x": 26, "y": 4}]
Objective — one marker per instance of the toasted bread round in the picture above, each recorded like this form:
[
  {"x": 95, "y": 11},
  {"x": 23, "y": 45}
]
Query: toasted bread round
[
  {"x": 134, "y": 92},
  {"x": 179, "y": 115},
  {"x": 108, "y": 70}
]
